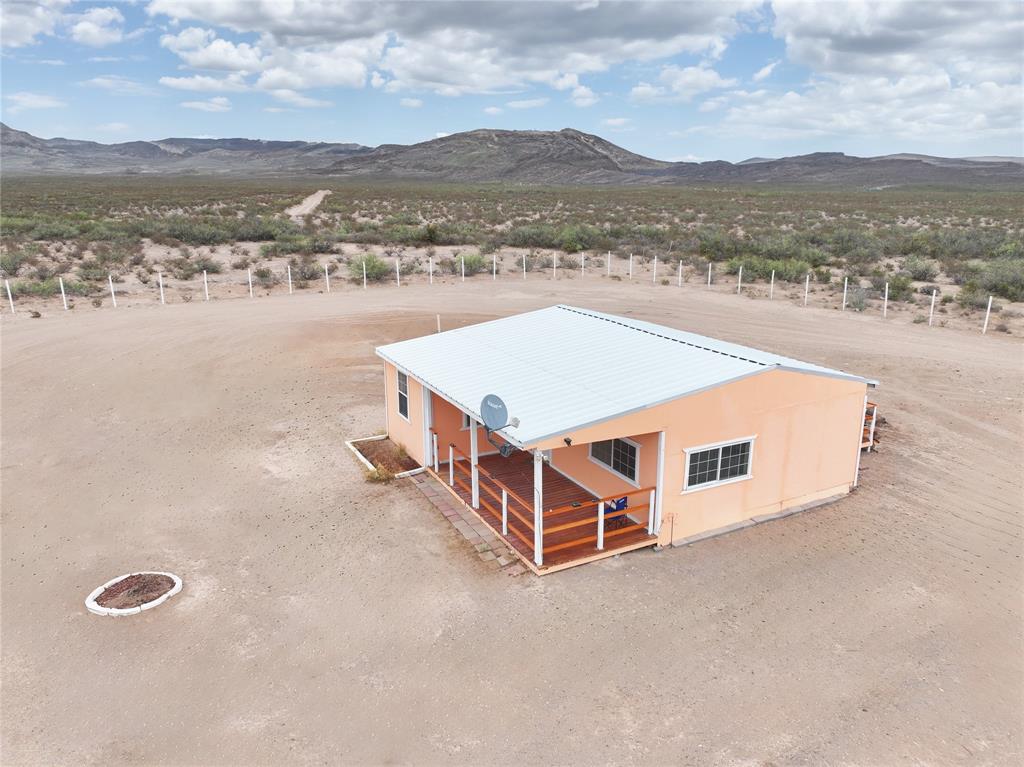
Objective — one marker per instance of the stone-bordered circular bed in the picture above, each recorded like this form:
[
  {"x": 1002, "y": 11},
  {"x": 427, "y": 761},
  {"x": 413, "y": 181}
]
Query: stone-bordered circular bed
[{"x": 132, "y": 593}]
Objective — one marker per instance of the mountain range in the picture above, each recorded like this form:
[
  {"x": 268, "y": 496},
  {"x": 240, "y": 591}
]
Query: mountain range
[{"x": 565, "y": 157}]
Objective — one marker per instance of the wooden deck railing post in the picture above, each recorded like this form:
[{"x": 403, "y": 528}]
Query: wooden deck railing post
[
  {"x": 650, "y": 514},
  {"x": 451, "y": 465},
  {"x": 504, "y": 511},
  {"x": 600, "y": 526}
]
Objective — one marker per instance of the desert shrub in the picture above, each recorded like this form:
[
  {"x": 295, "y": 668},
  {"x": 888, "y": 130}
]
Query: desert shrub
[
  {"x": 475, "y": 263},
  {"x": 49, "y": 288},
  {"x": 715, "y": 245},
  {"x": 306, "y": 268},
  {"x": 756, "y": 267},
  {"x": 900, "y": 288},
  {"x": 568, "y": 262},
  {"x": 12, "y": 260},
  {"x": 181, "y": 268},
  {"x": 972, "y": 296},
  {"x": 380, "y": 475},
  {"x": 857, "y": 299},
  {"x": 265, "y": 277},
  {"x": 926, "y": 290},
  {"x": 920, "y": 268},
  {"x": 533, "y": 236},
  {"x": 377, "y": 269},
  {"x": 54, "y": 230},
  {"x": 195, "y": 232},
  {"x": 91, "y": 270},
  {"x": 207, "y": 264},
  {"x": 1004, "y": 277}
]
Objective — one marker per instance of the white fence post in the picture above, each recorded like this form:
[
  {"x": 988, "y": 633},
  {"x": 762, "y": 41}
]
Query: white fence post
[
  {"x": 398, "y": 274},
  {"x": 554, "y": 267},
  {"x": 709, "y": 274},
  {"x": 846, "y": 286},
  {"x": 583, "y": 266},
  {"x": 327, "y": 278},
  {"x": 206, "y": 286},
  {"x": 248, "y": 273},
  {"x": 463, "y": 260},
  {"x": 524, "y": 266},
  {"x": 110, "y": 281},
  {"x": 430, "y": 269},
  {"x": 984, "y": 328},
  {"x": 807, "y": 286},
  {"x": 885, "y": 302},
  {"x": 504, "y": 511},
  {"x": 654, "y": 276},
  {"x": 608, "y": 264},
  {"x": 160, "y": 280},
  {"x": 931, "y": 311},
  {"x": 630, "y": 266},
  {"x": 739, "y": 280},
  {"x": 494, "y": 266},
  {"x": 679, "y": 274},
  {"x": 63, "y": 295},
  {"x": 10, "y": 298},
  {"x": 771, "y": 287},
  {"x": 439, "y": 323},
  {"x": 600, "y": 526},
  {"x": 364, "y": 273},
  {"x": 290, "y": 278}
]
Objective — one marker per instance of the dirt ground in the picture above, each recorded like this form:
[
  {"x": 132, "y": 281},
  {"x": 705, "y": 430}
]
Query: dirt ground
[{"x": 327, "y": 620}]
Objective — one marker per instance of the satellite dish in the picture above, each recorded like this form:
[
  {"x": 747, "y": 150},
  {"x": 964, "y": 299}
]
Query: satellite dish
[{"x": 493, "y": 412}]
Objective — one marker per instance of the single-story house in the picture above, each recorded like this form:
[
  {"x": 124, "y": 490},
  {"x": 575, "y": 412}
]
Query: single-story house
[{"x": 621, "y": 434}]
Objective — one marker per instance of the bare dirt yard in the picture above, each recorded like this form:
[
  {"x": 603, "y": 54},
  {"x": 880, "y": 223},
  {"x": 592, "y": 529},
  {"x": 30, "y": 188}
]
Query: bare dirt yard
[{"x": 328, "y": 620}]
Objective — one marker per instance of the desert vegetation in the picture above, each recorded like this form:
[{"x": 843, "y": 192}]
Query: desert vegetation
[{"x": 965, "y": 244}]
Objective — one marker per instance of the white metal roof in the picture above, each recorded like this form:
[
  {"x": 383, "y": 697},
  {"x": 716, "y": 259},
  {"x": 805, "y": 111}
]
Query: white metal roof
[{"x": 563, "y": 368}]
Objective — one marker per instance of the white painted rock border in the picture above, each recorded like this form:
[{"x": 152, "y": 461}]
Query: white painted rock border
[{"x": 92, "y": 606}]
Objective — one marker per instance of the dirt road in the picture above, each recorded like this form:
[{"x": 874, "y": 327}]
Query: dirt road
[
  {"x": 308, "y": 205},
  {"x": 327, "y": 620}
]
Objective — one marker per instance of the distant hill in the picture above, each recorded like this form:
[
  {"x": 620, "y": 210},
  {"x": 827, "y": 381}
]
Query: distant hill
[{"x": 518, "y": 157}]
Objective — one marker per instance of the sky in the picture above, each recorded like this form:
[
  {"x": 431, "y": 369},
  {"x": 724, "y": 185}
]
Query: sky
[{"x": 676, "y": 81}]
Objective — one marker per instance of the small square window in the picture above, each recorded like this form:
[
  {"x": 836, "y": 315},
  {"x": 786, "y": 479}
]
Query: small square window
[{"x": 619, "y": 455}]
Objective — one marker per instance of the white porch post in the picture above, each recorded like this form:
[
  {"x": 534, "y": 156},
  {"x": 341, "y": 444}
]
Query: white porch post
[
  {"x": 504, "y": 511},
  {"x": 538, "y": 508},
  {"x": 473, "y": 457},
  {"x": 600, "y": 526},
  {"x": 429, "y": 439},
  {"x": 654, "y": 518},
  {"x": 451, "y": 466},
  {"x": 437, "y": 458}
]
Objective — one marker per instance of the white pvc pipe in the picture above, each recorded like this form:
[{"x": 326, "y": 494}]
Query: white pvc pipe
[
  {"x": 739, "y": 281},
  {"x": 160, "y": 280},
  {"x": 249, "y": 271},
  {"x": 709, "y": 274},
  {"x": 430, "y": 269},
  {"x": 494, "y": 266},
  {"x": 630, "y": 266},
  {"x": 654, "y": 275},
  {"x": 398, "y": 274},
  {"x": 110, "y": 281},
  {"x": 679, "y": 274},
  {"x": 931, "y": 311},
  {"x": 327, "y": 278},
  {"x": 554, "y": 267},
  {"x": 846, "y": 285},
  {"x": 63, "y": 295},
  {"x": 608, "y": 266},
  {"x": 10, "y": 298},
  {"x": 463, "y": 260},
  {"x": 206, "y": 286},
  {"x": 984, "y": 328},
  {"x": 600, "y": 526},
  {"x": 885, "y": 302},
  {"x": 364, "y": 273},
  {"x": 807, "y": 287},
  {"x": 290, "y": 277},
  {"x": 771, "y": 288},
  {"x": 524, "y": 266}
]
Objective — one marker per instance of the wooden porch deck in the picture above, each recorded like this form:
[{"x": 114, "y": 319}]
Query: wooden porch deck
[{"x": 570, "y": 534}]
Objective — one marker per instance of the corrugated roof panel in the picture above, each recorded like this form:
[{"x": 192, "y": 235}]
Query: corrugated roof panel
[{"x": 561, "y": 368}]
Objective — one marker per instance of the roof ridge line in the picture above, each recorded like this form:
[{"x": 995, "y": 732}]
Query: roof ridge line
[{"x": 667, "y": 338}]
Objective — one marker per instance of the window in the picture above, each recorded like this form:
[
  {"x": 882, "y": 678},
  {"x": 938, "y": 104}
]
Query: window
[
  {"x": 465, "y": 421},
  {"x": 403, "y": 395},
  {"x": 619, "y": 455},
  {"x": 721, "y": 463}
]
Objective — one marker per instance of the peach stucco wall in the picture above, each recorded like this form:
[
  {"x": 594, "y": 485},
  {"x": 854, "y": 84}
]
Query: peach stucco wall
[
  {"x": 807, "y": 431},
  {"x": 408, "y": 433}
]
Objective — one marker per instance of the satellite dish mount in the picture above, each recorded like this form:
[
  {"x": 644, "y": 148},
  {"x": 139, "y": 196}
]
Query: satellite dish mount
[{"x": 495, "y": 417}]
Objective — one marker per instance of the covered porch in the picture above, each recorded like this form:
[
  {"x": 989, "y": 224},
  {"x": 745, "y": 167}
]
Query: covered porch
[{"x": 546, "y": 517}]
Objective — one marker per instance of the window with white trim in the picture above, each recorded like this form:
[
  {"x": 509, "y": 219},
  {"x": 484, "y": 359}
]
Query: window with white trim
[
  {"x": 718, "y": 464},
  {"x": 619, "y": 455},
  {"x": 403, "y": 394},
  {"x": 465, "y": 421}
]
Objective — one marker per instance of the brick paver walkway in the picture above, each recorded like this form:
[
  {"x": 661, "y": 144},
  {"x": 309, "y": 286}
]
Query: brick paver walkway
[{"x": 489, "y": 547}]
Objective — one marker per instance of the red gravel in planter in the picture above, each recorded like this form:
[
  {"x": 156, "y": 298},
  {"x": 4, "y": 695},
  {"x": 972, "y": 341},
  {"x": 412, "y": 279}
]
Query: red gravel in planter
[{"x": 135, "y": 590}]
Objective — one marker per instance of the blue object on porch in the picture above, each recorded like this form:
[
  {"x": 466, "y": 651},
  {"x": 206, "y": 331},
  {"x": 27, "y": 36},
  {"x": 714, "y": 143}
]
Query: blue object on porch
[{"x": 616, "y": 504}]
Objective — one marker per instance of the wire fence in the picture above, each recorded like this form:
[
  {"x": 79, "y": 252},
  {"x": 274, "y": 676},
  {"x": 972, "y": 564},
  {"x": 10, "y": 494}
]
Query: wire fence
[{"x": 679, "y": 272}]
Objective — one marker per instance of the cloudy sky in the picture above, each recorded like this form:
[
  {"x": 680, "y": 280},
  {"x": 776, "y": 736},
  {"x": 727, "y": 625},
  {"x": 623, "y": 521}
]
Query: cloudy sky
[{"x": 672, "y": 80}]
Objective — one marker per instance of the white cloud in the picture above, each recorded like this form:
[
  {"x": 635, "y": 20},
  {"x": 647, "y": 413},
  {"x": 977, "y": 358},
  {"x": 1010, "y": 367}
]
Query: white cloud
[
  {"x": 277, "y": 110},
  {"x": 680, "y": 84},
  {"x": 202, "y": 49},
  {"x": 53, "y": 62},
  {"x": 441, "y": 135},
  {"x": 527, "y": 103},
  {"x": 297, "y": 99},
  {"x": 114, "y": 127},
  {"x": 493, "y": 110},
  {"x": 22, "y": 22},
  {"x": 98, "y": 27},
  {"x": 119, "y": 84},
  {"x": 411, "y": 103},
  {"x": 216, "y": 104},
  {"x": 582, "y": 96},
  {"x": 232, "y": 83},
  {"x": 765, "y": 71},
  {"x": 616, "y": 122},
  {"x": 25, "y": 100},
  {"x": 106, "y": 59}
]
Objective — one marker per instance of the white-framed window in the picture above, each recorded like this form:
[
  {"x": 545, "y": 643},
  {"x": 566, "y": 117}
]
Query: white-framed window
[
  {"x": 403, "y": 395},
  {"x": 465, "y": 421},
  {"x": 621, "y": 456},
  {"x": 718, "y": 464}
]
